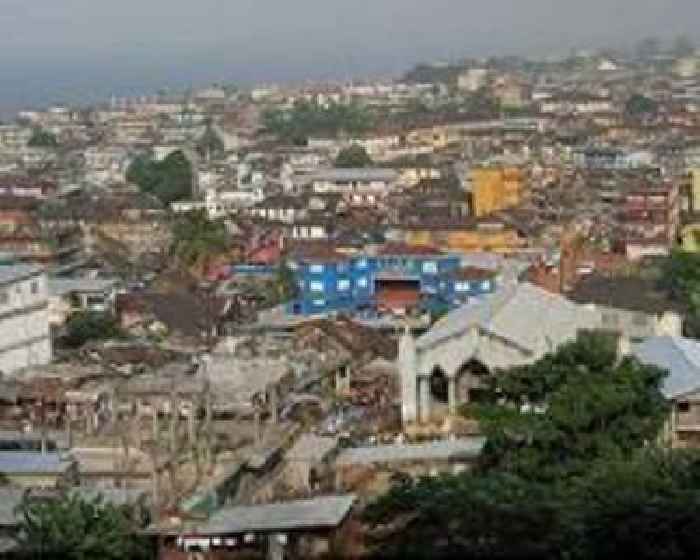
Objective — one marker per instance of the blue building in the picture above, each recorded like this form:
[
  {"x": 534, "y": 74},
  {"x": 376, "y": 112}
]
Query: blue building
[{"x": 398, "y": 278}]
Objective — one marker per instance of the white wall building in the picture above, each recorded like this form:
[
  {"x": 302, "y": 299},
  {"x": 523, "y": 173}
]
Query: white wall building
[{"x": 25, "y": 339}]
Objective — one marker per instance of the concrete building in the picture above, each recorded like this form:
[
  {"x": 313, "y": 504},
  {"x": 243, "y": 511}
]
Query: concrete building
[
  {"x": 71, "y": 295},
  {"x": 24, "y": 319},
  {"x": 33, "y": 469},
  {"x": 360, "y": 187},
  {"x": 681, "y": 358},
  {"x": 515, "y": 326},
  {"x": 649, "y": 219},
  {"x": 399, "y": 278},
  {"x": 369, "y": 471}
]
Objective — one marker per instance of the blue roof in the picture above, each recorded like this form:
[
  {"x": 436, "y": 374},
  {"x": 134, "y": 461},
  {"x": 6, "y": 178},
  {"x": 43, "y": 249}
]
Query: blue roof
[
  {"x": 680, "y": 356},
  {"x": 32, "y": 462}
]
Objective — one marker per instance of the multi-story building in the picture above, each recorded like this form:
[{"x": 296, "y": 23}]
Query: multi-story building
[
  {"x": 359, "y": 187},
  {"x": 24, "y": 318},
  {"x": 26, "y": 187},
  {"x": 649, "y": 218},
  {"x": 397, "y": 278},
  {"x": 494, "y": 189}
]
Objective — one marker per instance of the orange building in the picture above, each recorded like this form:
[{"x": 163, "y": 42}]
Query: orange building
[
  {"x": 497, "y": 238},
  {"x": 494, "y": 189}
]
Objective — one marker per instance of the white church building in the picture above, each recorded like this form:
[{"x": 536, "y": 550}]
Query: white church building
[{"x": 515, "y": 326}]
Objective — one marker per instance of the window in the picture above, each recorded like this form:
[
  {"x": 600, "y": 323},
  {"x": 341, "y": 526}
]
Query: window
[
  {"x": 316, "y": 286},
  {"x": 343, "y": 285},
  {"x": 684, "y": 407},
  {"x": 319, "y": 302},
  {"x": 462, "y": 286},
  {"x": 429, "y": 267},
  {"x": 316, "y": 269},
  {"x": 362, "y": 263},
  {"x": 35, "y": 288},
  {"x": 486, "y": 285},
  {"x": 4, "y": 297},
  {"x": 362, "y": 282}
]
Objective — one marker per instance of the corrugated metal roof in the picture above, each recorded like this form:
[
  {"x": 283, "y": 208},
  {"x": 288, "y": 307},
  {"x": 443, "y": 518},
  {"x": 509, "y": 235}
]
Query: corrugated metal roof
[
  {"x": 534, "y": 319},
  {"x": 63, "y": 286},
  {"x": 323, "y": 513},
  {"x": 469, "y": 448},
  {"x": 10, "y": 498},
  {"x": 32, "y": 462},
  {"x": 310, "y": 447},
  {"x": 356, "y": 174},
  {"x": 15, "y": 272},
  {"x": 680, "y": 356}
]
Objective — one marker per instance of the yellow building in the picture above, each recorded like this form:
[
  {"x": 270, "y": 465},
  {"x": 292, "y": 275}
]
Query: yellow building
[
  {"x": 690, "y": 238},
  {"x": 495, "y": 188},
  {"x": 497, "y": 238}
]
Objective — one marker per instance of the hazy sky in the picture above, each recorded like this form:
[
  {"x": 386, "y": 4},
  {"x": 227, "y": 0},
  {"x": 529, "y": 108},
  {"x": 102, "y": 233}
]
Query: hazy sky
[{"x": 71, "y": 49}]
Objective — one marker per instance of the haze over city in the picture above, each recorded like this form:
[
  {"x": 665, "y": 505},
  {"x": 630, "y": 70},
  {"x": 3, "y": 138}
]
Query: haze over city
[
  {"x": 387, "y": 280},
  {"x": 81, "y": 50}
]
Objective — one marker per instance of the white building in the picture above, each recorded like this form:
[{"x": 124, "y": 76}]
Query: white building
[
  {"x": 25, "y": 339},
  {"x": 515, "y": 326},
  {"x": 360, "y": 187}
]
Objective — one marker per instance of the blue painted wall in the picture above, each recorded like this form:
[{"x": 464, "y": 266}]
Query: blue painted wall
[{"x": 349, "y": 284}]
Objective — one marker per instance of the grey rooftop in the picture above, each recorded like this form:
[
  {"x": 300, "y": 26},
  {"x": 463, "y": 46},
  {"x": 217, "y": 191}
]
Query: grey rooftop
[
  {"x": 680, "y": 356},
  {"x": 459, "y": 449},
  {"x": 10, "y": 273},
  {"x": 325, "y": 512},
  {"x": 356, "y": 174},
  {"x": 32, "y": 462}
]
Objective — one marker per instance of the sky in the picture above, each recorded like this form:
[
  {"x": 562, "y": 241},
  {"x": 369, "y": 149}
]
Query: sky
[{"x": 73, "y": 50}]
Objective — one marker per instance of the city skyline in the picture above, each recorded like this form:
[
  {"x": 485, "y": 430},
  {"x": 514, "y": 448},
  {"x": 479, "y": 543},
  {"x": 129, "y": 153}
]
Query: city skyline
[{"x": 76, "y": 51}]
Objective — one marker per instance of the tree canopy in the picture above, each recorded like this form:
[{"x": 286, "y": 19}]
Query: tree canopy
[
  {"x": 570, "y": 471},
  {"x": 307, "y": 119},
  {"x": 71, "y": 528},
  {"x": 638, "y": 106},
  {"x": 85, "y": 326},
  {"x": 352, "y": 157},
  {"x": 195, "y": 237},
  {"x": 681, "y": 279},
  {"x": 170, "y": 180},
  {"x": 41, "y": 138}
]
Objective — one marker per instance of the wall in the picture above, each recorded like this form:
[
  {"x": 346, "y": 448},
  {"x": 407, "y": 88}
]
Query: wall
[
  {"x": 24, "y": 324},
  {"x": 466, "y": 240}
]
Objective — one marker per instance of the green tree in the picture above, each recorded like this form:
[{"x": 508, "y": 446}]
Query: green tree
[
  {"x": 307, "y": 119},
  {"x": 638, "y": 106},
  {"x": 85, "y": 326},
  {"x": 569, "y": 471},
  {"x": 41, "y": 138},
  {"x": 591, "y": 406},
  {"x": 195, "y": 237},
  {"x": 680, "y": 278},
  {"x": 352, "y": 157},
  {"x": 170, "y": 180},
  {"x": 72, "y": 528}
]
